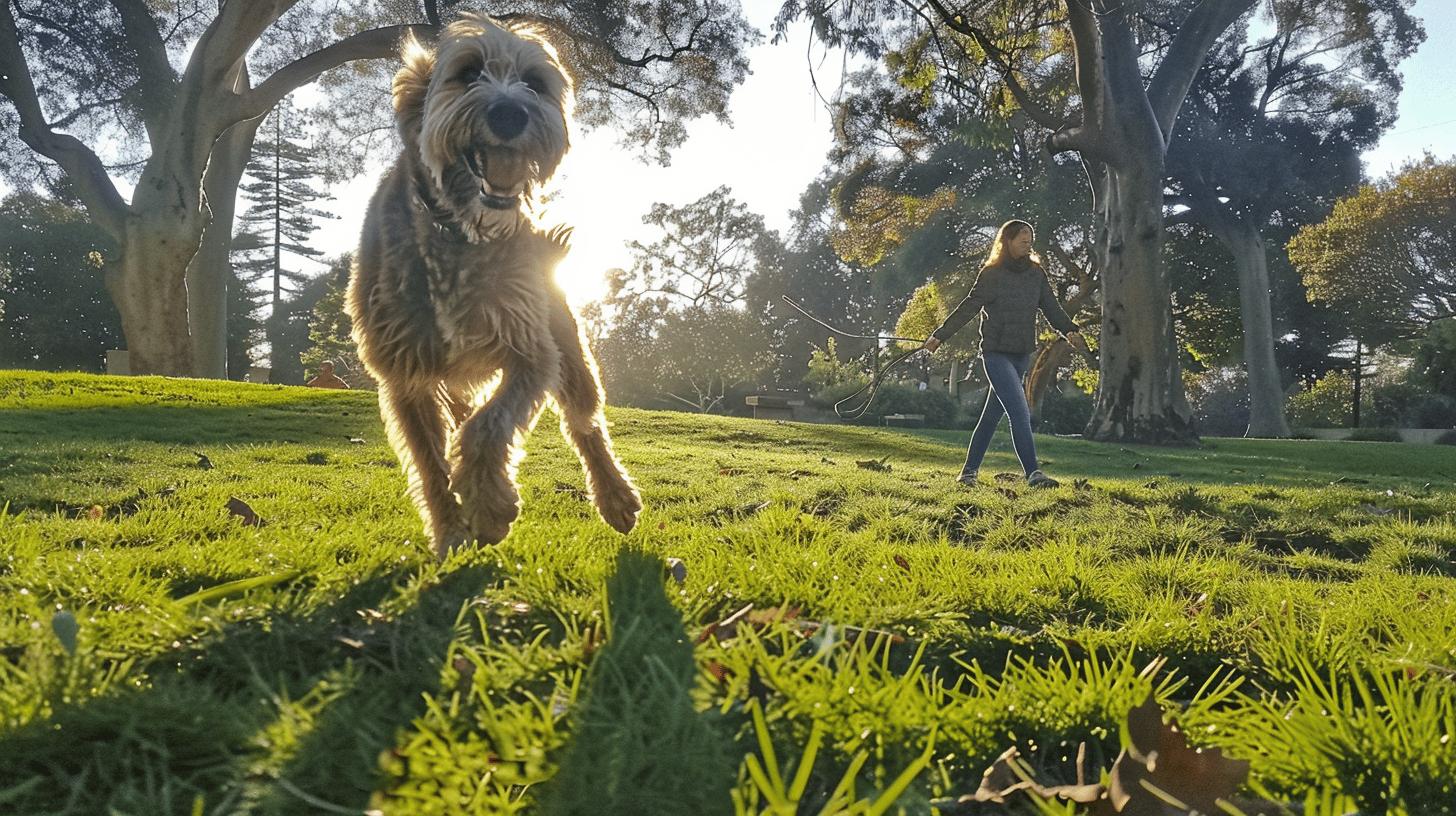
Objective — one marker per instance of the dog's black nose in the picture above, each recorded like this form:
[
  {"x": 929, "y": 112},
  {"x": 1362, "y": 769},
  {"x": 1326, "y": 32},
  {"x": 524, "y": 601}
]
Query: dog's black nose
[{"x": 507, "y": 119}]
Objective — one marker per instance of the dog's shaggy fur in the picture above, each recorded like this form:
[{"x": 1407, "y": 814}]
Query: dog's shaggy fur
[{"x": 453, "y": 290}]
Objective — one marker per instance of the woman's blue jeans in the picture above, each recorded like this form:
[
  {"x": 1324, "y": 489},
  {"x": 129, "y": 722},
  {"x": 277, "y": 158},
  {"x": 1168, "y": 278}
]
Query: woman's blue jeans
[{"x": 1007, "y": 397}]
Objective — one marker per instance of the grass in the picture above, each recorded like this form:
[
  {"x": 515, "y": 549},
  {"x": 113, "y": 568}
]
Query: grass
[{"x": 158, "y": 655}]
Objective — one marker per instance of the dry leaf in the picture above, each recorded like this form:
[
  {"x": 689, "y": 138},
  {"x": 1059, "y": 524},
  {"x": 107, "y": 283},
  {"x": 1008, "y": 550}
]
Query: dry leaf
[
  {"x": 202, "y": 460},
  {"x": 240, "y": 508},
  {"x": 902, "y": 563},
  {"x": 677, "y": 569},
  {"x": 881, "y": 465}
]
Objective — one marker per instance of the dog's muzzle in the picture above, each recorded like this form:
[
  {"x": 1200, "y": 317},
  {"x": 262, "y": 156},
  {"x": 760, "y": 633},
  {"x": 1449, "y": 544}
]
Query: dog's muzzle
[{"x": 493, "y": 195}]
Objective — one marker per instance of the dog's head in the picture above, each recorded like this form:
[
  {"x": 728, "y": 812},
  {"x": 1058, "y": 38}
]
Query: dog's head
[{"x": 486, "y": 114}]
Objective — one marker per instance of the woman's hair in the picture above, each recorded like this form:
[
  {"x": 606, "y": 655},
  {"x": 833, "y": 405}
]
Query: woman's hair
[{"x": 1004, "y": 236}]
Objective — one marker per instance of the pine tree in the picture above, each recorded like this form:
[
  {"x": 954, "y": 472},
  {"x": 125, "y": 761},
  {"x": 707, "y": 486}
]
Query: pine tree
[{"x": 272, "y": 248}]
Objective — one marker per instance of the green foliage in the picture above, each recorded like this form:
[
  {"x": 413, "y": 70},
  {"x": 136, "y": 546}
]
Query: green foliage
[
  {"x": 329, "y": 331},
  {"x": 924, "y": 313},
  {"x": 907, "y": 628},
  {"x": 1447, "y": 438},
  {"x": 1378, "y": 258},
  {"x": 1064, "y": 412},
  {"x": 55, "y": 312},
  {"x": 1435, "y": 357},
  {"x": 1326, "y": 404},
  {"x": 827, "y": 371}
]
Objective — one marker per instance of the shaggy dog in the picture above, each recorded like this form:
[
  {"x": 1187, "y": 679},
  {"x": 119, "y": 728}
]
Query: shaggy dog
[{"x": 454, "y": 305}]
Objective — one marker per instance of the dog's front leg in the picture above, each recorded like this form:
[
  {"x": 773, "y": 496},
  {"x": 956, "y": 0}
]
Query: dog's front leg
[
  {"x": 488, "y": 447},
  {"x": 579, "y": 395},
  {"x": 416, "y": 429}
]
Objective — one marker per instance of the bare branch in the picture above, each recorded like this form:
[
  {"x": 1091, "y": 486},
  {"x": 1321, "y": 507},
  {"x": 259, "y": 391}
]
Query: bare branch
[{"x": 372, "y": 44}]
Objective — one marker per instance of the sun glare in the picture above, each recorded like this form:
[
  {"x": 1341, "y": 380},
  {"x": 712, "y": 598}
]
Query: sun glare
[{"x": 581, "y": 277}]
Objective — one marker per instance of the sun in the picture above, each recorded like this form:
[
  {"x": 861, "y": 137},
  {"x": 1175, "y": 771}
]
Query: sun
[{"x": 582, "y": 276}]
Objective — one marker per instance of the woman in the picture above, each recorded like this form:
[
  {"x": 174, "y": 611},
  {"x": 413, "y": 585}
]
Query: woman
[{"x": 1010, "y": 288}]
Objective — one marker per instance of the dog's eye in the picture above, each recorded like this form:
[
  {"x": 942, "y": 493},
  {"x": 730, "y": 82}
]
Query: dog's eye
[
  {"x": 470, "y": 74},
  {"x": 535, "y": 82}
]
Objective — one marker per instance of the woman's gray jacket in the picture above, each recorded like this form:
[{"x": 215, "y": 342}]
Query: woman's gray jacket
[{"x": 1010, "y": 293}]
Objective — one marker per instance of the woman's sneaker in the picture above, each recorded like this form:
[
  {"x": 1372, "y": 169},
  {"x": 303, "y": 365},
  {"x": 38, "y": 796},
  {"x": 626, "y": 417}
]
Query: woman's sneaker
[
  {"x": 1039, "y": 479},
  {"x": 969, "y": 479}
]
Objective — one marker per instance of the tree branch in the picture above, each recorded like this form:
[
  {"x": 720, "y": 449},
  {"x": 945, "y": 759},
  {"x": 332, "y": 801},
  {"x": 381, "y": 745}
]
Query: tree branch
[
  {"x": 375, "y": 43},
  {"x": 1185, "y": 56},
  {"x": 155, "y": 75},
  {"x": 81, "y": 165}
]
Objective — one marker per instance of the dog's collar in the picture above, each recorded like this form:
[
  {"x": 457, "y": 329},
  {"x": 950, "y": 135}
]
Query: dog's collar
[{"x": 443, "y": 224}]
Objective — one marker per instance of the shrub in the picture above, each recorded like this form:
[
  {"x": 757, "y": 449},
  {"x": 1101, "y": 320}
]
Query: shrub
[
  {"x": 1064, "y": 412},
  {"x": 1447, "y": 438},
  {"x": 1432, "y": 411},
  {"x": 1220, "y": 401},
  {"x": 1326, "y": 404}
]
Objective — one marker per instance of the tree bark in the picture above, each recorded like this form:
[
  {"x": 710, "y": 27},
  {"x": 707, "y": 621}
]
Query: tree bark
[
  {"x": 1266, "y": 396},
  {"x": 209, "y": 274},
  {"x": 1052, "y": 357},
  {"x": 144, "y": 284},
  {"x": 1140, "y": 394}
]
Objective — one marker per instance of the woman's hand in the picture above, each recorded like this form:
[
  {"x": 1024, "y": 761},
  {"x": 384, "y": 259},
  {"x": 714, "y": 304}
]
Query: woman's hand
[
  {"x": 1078, "y": 341},
  {"x": 931, "y": 345}
]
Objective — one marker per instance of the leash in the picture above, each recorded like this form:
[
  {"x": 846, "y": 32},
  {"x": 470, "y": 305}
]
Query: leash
[{"x": 877, "y": 372}]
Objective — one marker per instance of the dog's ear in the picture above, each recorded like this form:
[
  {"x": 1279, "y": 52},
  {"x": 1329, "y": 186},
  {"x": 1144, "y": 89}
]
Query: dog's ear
[{"x": 410, "y": 85}]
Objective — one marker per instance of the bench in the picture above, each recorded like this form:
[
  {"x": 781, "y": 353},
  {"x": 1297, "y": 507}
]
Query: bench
[
  {"x": 772, "y": 406},
  {"x": 905, "y": 420}
]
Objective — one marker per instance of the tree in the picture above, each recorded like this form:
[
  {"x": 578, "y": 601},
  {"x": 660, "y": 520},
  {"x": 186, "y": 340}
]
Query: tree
[
  {"x": 1128, "y": 67},
  {"x": 679, "y": 335},
  {"x": 330, "y": 330},
  {"x": 1435, "y": 358},
  {"x": 279, "y": 222},
  {"x": 706, "y": 252},
  {"x": 54, "y": 313},
  {"x": 280, "y": 219},
  {"x": 808, "y": 270},
  {"x": 99, "y": 68},
  {"x": 1385, "y": 258},
  {"x": 1273, "y": 127}
]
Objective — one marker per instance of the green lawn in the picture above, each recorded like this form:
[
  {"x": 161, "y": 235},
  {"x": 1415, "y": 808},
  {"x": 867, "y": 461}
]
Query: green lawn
[{"x": 1295, "y": 601}]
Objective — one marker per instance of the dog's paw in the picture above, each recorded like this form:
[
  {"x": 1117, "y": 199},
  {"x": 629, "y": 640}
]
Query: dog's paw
[
  {"x": 450, "y": 539},
  {"x": 491, "y": 524},
  {"x": 619, "y": 506}
]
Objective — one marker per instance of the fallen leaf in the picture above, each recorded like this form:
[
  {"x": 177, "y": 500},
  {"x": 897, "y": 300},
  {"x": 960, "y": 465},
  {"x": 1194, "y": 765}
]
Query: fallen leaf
[
  {"x": 726, "y": 627},
  {"x": 677, "y": 569},
  {"x": 356, "y": 440},
  {"x": 202, "y": 460},
  {"x": 240, "y": 508},
  {"x": 902, "y": 563},
  {"x": 880, "y": 465}
]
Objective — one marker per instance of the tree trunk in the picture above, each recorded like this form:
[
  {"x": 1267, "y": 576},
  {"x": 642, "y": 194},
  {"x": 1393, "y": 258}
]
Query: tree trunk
[
  {"x": 148, "y": 288},
  {"x": 1140, "y": 388},
  {"x": 1266, "y": 396},
  {"x": 211, "y": 270},
  {"x": 1044, "y": 370}
]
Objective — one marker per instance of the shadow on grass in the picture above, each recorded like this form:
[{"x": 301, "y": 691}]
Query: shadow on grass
[{"x": 217, "y": 724}]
